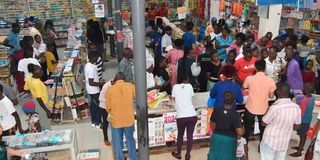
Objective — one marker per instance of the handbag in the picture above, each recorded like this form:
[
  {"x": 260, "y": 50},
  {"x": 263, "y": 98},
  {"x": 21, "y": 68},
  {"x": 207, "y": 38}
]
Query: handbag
[{"x": 309, "y": 152}]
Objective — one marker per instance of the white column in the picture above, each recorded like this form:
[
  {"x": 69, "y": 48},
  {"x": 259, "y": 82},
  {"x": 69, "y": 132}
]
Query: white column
[
  {"x": 214, "y": 9},
  {"x": 272, "y": 23}
]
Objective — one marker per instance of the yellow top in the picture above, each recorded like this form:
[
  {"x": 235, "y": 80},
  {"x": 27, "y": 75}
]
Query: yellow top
[
  {"x": 37, "y": 89},
  {"x": 119, "y": 104},
  {"x": 49, "y": 58}
]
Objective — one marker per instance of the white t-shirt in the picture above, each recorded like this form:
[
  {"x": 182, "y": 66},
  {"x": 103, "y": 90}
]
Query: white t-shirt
[
  {"x": 23, "y": 66},
  {"x": 40, "y": 48},
  {"x": 317, "y": 142},
  {"x": 151, "y": 82},
  {"x": 183, "y": 94},
  {"x": 240, "y": 147},
  {"x": 7, "y": 121},
  {"x": 165, "y": 41},
  {"x": 102, "y": 96},
  {"x": 91, "y": 72},
  {"x": 281, "y": 54}
]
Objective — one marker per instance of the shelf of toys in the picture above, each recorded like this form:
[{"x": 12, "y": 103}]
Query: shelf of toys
[{"x": 305, "y": 21}]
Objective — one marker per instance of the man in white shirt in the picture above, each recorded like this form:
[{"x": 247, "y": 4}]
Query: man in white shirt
[
  {"x": 9, "y": 117},
  {"x": 274, "y": 64},
  {"x": 166, "y": 40},
  {"x": 23, "y": 64},
  {"x": 93, "y": 85}
]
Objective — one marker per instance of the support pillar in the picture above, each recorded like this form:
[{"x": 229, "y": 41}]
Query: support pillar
[{"x": 272, "y": 23}]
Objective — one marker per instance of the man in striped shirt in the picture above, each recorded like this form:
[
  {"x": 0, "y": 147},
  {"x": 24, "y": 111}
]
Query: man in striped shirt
[{"x": 283, "y": 117}]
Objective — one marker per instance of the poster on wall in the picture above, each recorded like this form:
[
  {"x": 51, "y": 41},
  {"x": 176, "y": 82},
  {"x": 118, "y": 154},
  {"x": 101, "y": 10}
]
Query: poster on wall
[{"x": 99, "y": 10}]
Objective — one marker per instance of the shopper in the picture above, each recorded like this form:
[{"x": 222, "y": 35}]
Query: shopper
[
  {"x": 33, "y": 120},
  {"x": 152, "y": 12},
  {"x": 96, "y": 38},
  {"x": 93, "y": 85},
  {"x": 210, "y": 27},
  {"x": 264, "y": 53},
  {"x": 35, "y": 30},
  {"x": 125, "y": 65},
  {"x": 173, "y": 56},
  {"x": 213, "y": 70},
  {"x": 4, "y": 150},
  {"x": 223, "y": 42},
  {"x": 40, "y": 54},
  {"x": 226, "y": 125},
  {"x": 227, "y": 85},
  {"x": 293, "y": 74},
  {"x": 231, "y": 59},
  {"x": 282, "y": 118},
  {"x": 120, "y": 97},
  {"x": 166, "y": 41},
  {"x": 308, "y": 75},
  {"x": 163, "y": 11},
  {"x": 49, "y": 36},
  {"x": 16, "y": 57},
  {"x": 151, "y": 82},
  {"x": 10, "y": 119},
  {"x": 161, "y": 72},
  {"x": 103, "y": 111},
  {"x": 245, "y": 65},
  {"x": 51, "y": 60},
  {"x": 23, "y": 63},
  {"x": 306, "y": 106},
  {"x": 260, "y": 88},
  {"x": 204, "y": 61},
  {"x": 39, "y": 93},
  {"x": 13, "y": 39},
  {"x": 188, "y": 37},
  {"x": 186, "y": 115},
  {"x": 187, "y": 66},
  {"x": 240, "y": 39},
  {"x": 9, "y": 93},
  {"x": 274, "y": 65}
]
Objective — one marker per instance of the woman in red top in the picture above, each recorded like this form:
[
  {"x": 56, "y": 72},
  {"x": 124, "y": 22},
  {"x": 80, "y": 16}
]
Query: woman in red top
[
  {"x": 308, "y": 75},
  {"x": 163, "y": 11}
]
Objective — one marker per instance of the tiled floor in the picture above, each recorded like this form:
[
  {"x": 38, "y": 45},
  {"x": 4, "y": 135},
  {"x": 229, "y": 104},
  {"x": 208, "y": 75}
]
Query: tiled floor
[{"x": 91, "y": 138}]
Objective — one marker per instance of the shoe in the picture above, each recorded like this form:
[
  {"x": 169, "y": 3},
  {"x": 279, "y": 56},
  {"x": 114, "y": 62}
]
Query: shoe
[
  {"x": 187, "y": 157},
  {"x": 176, "y": 155},
  {"x": 107, "y": 143},
  {"x": 296, "y": 154},
  {"x": 295, "y": 148},
  {"x": 99, "y": 126},
  {"x": 93, "y": 125}
]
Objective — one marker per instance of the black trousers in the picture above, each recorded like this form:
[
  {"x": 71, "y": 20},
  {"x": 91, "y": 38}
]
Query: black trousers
[
  {"x": 249, "y": 120},
  {"x": 105, "y": 123}
]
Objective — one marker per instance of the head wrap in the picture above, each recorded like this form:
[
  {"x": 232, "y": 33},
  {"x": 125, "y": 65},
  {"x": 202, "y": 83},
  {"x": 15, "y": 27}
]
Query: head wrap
[{"x": 29, "y": 106}]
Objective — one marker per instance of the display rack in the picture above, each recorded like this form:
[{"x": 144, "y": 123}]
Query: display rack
[
  {"x": 5, "y": 75},
  {"x": 39, "y": 8},
  {"x": 13, "y": 9}
]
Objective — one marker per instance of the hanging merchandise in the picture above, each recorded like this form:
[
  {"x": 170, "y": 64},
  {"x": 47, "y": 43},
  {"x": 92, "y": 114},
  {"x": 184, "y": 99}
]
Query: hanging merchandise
[
  {"x": 244, "y": 11},
  {"x": 270, "y": 2},
  {"x": 222, "y": 6}
]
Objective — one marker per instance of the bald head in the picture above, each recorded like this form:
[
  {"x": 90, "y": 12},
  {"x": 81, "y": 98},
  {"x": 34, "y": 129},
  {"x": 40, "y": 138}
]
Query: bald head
[
  {"x": 120, "y": 76},
  {"x": 283, "y": 90}
]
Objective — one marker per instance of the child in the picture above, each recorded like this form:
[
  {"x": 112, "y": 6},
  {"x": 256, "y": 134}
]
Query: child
[
  {"x": 34, "y": 119},
  {"x": 188, "y": 37},
  {"x": 306, "y": 106},
  {"x": 51, "y": 60},
  {"x": 4, "y": 151},
  {"x": 23, "y": 63},
  {"x": 308, "y": 75},
  {"x": 242, "y": 149},
  {"x": 39, "y": 50}
]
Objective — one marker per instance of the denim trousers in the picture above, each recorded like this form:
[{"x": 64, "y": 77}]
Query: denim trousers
[
  {"x": 267, "y": 153},
  {"x": 117, "y": 142},
  {"x": 94, "y": 108}
]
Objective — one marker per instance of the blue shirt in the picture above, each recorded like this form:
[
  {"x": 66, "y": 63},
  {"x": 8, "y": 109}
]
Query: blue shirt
[
  {"x": 14, "y": 40},
  {"x": 221, "y": 87},
  {"x": 189, "y": 39}
]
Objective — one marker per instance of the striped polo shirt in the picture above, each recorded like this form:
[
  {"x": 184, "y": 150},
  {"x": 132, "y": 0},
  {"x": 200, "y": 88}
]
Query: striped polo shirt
[{"x": 281, "y": 117}]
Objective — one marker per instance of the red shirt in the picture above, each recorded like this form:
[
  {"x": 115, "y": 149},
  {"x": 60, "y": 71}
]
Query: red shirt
[
  {"x": 245, "y": 68},
  {"x": 308, "y": 77},
  {"x": 162, "y": 12}
]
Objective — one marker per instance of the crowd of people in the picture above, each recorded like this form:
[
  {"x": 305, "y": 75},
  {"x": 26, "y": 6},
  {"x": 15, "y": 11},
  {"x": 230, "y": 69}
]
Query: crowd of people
[{"x": 274, "y": 77}]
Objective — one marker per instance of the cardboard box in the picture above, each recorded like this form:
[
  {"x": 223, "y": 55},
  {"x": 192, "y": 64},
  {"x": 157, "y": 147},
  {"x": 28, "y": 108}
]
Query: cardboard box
[{"x": 93, "y": 154}]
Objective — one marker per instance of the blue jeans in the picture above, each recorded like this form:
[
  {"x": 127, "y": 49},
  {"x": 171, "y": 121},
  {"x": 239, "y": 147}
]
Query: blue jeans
[
  {"x": 117, "y": 138},
  {"x": 94, "y": 108}
]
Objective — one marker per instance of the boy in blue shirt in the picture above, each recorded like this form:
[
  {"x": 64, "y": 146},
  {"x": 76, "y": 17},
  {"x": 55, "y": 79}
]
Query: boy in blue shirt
[{"x": 306, "y": 105}]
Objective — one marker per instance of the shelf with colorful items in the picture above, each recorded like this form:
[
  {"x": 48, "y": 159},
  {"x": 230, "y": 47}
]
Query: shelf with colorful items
[{"x": 5, "y": 75}]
